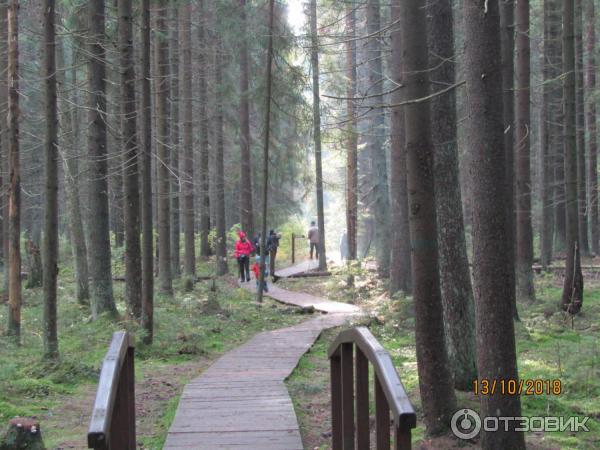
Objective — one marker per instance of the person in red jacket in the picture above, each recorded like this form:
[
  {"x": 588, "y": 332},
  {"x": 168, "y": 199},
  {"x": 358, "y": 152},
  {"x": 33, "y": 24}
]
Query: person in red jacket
[{"x": 243, "y": 249}]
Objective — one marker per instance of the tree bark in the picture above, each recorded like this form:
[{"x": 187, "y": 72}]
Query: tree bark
[
  {"x": 14, "y": 189},
  {"x": 50, "y": 242},
  {"x": 4, "y": 145},
  {"x": 435, "y": 376},
  {"x": 580, "y": 131},
  {"x": 221, "y": 244},
  {"x": 455, "y": 275},
  {"x": 572, "y": 296},
  {"x": 98, "y": 224},
  {"x": 375, "y": 143},
  {"x": 175, "y": 147},
  {"x": 265, "y": 192},
  {"x": 591, "y": 126},
  {"x": 400, "y": 245},
  {"x": 146, "y": 171},
  {"x": 204, "y": 160},
  {"x": 187, "y": 174},
  {"x": 525, "y": 288},
  {"x": 314, "y": 59},
  {"x": 246, "y": 209},
  {"x": 492, "y": 267},
  {"x": 133, "y": 263},
  {"x": 547, "y": 172},
  {"x": 163, "y": 178},
  {"x": 507, "y": 45},
  {"x": 70, "y": 137}
]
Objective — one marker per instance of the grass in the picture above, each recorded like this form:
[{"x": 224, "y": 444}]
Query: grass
[
  {"x": 548, "y": 347},
  {"x": 187, "y": 338}
]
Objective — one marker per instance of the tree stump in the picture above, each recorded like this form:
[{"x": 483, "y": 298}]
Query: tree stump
[{"x": 22, "y": 433}]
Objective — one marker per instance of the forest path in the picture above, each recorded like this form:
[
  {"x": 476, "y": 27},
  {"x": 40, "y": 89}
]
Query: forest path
[{"x": 241, "y": 401}]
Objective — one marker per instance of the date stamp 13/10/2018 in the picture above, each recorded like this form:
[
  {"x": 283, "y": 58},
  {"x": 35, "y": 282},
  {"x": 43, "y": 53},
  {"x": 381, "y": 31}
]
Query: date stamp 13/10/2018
[{"x": 528, "y": 386}]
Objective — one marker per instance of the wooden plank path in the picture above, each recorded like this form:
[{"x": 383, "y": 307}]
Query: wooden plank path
[
  {"x": 241, "y": 401},
  {"x": 304, "y": 266}
]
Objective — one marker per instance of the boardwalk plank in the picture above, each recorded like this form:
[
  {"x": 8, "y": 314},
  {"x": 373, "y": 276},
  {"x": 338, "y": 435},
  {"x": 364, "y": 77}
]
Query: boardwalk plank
[{"x": 241, "y": 401}]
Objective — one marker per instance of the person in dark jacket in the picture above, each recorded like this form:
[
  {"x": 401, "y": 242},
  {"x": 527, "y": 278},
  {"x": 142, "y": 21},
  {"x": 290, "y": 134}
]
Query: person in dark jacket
[
  {"x": 243, "y": 249},
  {"x": 313, "y": 239},
  {"x": 273, "y": 245}
]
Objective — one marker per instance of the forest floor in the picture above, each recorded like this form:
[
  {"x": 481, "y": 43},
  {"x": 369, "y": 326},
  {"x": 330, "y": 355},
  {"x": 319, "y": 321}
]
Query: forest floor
[
  {"x": 189, "y": 336},
  {"x": 549, "y": 347}
]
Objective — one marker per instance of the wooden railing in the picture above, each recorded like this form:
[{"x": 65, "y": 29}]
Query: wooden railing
[
  {"x": 112, "y": 426},
  {"x": 346, "y": 390}
]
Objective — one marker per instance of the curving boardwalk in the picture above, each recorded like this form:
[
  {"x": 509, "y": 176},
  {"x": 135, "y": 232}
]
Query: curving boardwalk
[{"x": 241, "y": 401}]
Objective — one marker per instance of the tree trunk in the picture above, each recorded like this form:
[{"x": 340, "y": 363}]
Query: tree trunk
[
  {"x": 221, "y": 244},
  {"x": 146, "y": 171},
  {"x": 14, "y": 189},
  {"x": 265, "y": 192},
  {"x": 352, "y": 151},
  {"x": 591, "y": 126},
  {"x": 547, "y": 173},
  {"x": 580, "y": 131},
  {"x": 50, "y": 243},
  {"x": 70, "y": 136},
  {"x": 572, "y": 296},
  {"x": 435, "y": 376},
  {"x": 525, "y": 288},
  {"x": 175, "y": 147},
  {"x": 99, "y": 254},
  {"x": 376, "y": 150},
  {"x": 187, "y": 174},
  {"x": 163, "y": 178},
  {"x": 492, "y": 267},
  {"x": 400, "y": 245},
  {"x": 507, "y": 43},
  {"x": 133, "y": 263},
  {"x": 455, "y": 275},
  {"x": 204, "y": 160},
  {"x": 4, "y": 145},
  {"x": 314, "y": 59},
  {"x": 246, "y": 210}
]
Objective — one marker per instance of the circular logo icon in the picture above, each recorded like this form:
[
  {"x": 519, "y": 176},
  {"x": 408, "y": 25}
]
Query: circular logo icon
[{"x": 466, "y": 424}]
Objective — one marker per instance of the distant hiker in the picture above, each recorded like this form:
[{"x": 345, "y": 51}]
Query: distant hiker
[
  {"x": 273, "y": 245},
  {"x": 344, "y": 252},
  {"x": 243, "y": 249},
  {"x": 313, "y": 239},
  {"x": 256, "y": 243},
  {"x": 256, "y": 270}
]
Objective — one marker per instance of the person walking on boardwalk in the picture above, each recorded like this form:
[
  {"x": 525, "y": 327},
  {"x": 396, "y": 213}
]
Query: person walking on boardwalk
[
  {"x": 256, "y": 270},
  {"x": 313, "y": 239},
  {"x": 243, "y": 249},
  {"x": 273, "y": 245}
]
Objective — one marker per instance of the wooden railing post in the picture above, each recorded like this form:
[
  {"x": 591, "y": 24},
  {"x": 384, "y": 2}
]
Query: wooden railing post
[
  {"x": 336, "y": 402},
  {"x": 382, "y": 417},
  {"x": 293, "y": 248},
  {"x": 362, "y": 400},
  {"x": 348, "y": 395},
  {"x": 403, "y": 438}
]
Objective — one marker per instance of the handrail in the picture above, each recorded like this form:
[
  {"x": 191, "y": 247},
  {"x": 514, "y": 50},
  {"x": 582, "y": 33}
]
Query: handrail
[
  {"x": 112, "y": 425},
  {"x": 389, "y": 393}
]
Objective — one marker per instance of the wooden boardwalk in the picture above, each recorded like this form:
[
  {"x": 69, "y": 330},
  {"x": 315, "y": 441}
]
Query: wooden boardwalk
[
  {"x": 241, "y": 401},
  {"x": 301, "y": 267}
]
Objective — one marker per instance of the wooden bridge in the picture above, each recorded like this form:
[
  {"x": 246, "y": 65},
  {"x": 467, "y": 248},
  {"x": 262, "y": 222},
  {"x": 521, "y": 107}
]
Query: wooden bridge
[{"x": 241, "y": 401}]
